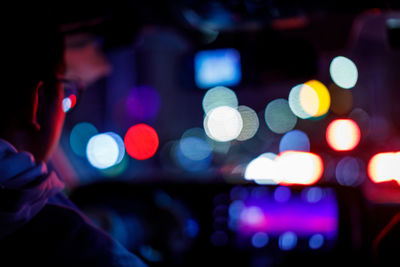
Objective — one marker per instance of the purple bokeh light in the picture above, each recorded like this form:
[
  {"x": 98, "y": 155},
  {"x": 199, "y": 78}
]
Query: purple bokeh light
[{"x": 143, "y": 103}]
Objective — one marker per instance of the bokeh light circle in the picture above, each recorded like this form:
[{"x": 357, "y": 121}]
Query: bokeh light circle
[
  {"x": 343, "y": 134},
  {"x": 195, "y": 148},
  {"x": 287, "y": 241},
  {"x": 104, "y": 150},
  {"x": 349, "y": 172},
  {"x": 311, "y": 99},
  {"x": 343, "y": 72},
  {"x": 193, "y": 153},
  {"x": 282, "y": 194},
  {"x": 262, "y": 169},
  {"x": 295, "y": 140},
  {"x": 219, "y": 96},
  {"x": 279, "y": 117},
  {"x": 141, "y": 141},
  {"x": 384, "y": 167},
  {"x": 316, "y": 241},
  {"x": 79, "y": 137},
  {"x": 324, "y": 97},
  {"x": 250, "y": 123},
  {"x": 223, "y": 124},
  {"x": 296, "y": 167},
  {"x": 143, "y": 103},
  {"x": 303, "y": 101},
  {"x": 121, "y": 146},
  {"x": 259, "y": 240},
  {"x": 66, "y": 104},
  {"x": 313, "y": 194}
]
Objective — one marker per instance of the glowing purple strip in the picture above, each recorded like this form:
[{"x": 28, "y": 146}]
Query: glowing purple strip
[{"x": 296, "y": 215}]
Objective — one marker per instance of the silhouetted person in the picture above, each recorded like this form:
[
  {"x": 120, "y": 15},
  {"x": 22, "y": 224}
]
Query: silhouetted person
[{"x": 38, "y": 224}]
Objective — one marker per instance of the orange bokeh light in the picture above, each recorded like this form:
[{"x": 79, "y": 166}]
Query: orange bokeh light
[
  {"x": 384, "y": 167},
  {"x": 297, "y": 167},
  {"x": 343, "y": 134}
]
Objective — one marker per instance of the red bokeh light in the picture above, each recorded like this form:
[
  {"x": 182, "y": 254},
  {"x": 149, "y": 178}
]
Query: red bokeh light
[
  {"x": 141, "y": 141},
  {"x": 73, "y": 100}
]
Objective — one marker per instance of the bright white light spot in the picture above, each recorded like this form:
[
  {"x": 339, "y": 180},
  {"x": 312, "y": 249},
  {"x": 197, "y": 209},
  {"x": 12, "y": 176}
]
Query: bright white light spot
[
  {"x": 104, "y": 150},
  {"x": 343, "y": 72},
  {"x": 287, "y": 241},
  {"x": 250, "y": 123},
  {"x": 219, "y": 96},
  {"x": 384, "y": 167},
  {"x": 316, "y": 241},
  {"x": 289, "y": 167},
  {"x": 223, "y": 124},
  {"x": 299, "y": 167},
  {"x": 279, "y": 117},
  {"x": 262, "y": 169},
  {"x": 66, "y": 104},
  {"x": 343, "y": 134}
]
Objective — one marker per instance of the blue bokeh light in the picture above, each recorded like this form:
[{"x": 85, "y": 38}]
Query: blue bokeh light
[
  {"x": 295, "y": 140},
  {"x": 282, "y": 194},
  {"x": 217, "y": 67},
  {"x": 259, "y": 240},
  {"x": 193, "y": 154},
  {"x": 79, "y": 137},
  {"x": 316, "y": 241},
  {"x": 287, "y": 241}
]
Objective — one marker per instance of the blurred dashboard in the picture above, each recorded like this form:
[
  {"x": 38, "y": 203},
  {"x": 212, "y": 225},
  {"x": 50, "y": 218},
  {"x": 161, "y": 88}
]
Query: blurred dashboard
[{"x": 251, "y": 225}]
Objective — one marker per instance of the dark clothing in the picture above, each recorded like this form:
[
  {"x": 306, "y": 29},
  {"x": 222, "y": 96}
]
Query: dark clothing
[
  {"x": 61, "y": 236},
  {"x": 40, "y": 226}
]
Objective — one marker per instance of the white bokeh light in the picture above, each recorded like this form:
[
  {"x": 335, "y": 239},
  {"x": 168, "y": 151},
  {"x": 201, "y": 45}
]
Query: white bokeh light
[
  {"x": 223, "y": 124},
  {"x": 105, "y": 150},
  {"x": 279, "y": 117},
  {"x": 250, "y": 123},
  {"x": 66, "y": 104},
  {"x": 262, "y": 169},
  {"x": 219, "y": 96},
  {"x": 343, "y": 72}
]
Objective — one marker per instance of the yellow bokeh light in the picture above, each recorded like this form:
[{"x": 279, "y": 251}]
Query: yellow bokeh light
[
  {"x": 309, "y": 100},
  {"x": 323, "y": 96}
]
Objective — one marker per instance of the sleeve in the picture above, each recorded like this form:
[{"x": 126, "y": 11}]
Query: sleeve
[{"x": 60, "y": 236}]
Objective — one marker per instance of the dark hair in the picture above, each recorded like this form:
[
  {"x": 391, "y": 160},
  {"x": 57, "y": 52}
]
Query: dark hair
[{"x": 32, "y": 51}]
